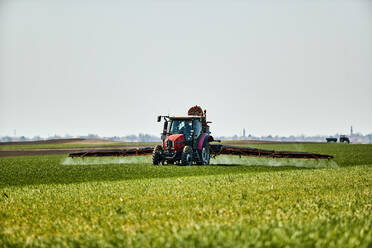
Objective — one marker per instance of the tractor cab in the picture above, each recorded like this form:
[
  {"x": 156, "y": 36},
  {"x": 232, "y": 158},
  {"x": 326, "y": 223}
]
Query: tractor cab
[
  {"x": 181, "y": 131},
  {"x": 188, "y": 126}
]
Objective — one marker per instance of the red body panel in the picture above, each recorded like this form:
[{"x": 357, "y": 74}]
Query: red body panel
[{"x": 178, "y": 142}]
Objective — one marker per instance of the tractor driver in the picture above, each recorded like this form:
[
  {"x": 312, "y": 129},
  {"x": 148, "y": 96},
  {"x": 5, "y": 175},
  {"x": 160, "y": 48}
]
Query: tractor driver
[{"x": 186, "y": 129}]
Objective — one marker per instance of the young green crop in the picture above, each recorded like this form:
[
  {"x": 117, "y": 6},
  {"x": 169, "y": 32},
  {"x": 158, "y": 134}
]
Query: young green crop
[{"x": 45, "y": 203}]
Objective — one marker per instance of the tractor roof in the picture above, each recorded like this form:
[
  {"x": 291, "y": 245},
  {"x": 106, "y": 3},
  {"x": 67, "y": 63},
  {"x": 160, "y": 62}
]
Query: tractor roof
[{"x": 190, "y": 117}]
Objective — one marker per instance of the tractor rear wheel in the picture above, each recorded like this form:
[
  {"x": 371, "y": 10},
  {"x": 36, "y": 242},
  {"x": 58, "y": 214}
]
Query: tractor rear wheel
[
  {"x": 156, "y": 155},
  {"x": 204, "y": 154},
  {"x": 186, "y": 158}
]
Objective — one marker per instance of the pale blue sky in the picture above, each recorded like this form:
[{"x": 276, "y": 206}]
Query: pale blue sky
[{"x": 110, "y": 67}]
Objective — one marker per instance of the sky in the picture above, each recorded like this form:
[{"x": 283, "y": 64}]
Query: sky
[{"x": 110, "y": 67}]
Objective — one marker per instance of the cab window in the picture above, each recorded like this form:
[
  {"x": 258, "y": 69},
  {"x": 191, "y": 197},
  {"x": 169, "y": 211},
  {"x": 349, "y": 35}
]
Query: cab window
[
  {"x": 197, "y": 127},
  {"x": 180, "y": 127}
]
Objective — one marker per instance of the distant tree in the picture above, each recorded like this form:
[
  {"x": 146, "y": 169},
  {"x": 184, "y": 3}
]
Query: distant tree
[
  {"x": 130, "y": 138},
  {"x": 92, "y": 136},
  {"x": 55, "y": 137},
  {"x": 6, "y": 139}
]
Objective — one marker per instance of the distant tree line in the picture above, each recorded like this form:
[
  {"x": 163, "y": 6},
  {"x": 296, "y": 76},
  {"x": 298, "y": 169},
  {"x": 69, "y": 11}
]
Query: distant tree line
[
  {"x": 355, "y": 138},
  {"x": 142, "y": 137}
]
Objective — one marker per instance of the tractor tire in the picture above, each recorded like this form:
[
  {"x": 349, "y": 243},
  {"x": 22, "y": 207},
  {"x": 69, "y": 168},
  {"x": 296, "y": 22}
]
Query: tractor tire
[
  {"x": 156, "y": 155},
  {"x": 186, "y": 157},
  {"x": 204, "y": 154}
]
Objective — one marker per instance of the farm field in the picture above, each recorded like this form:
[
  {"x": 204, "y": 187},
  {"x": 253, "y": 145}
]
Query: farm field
[
  {"x": 51, "y": 200},
  {"x": 62, "y": 146},
  {"x": 68, "y": 143}
]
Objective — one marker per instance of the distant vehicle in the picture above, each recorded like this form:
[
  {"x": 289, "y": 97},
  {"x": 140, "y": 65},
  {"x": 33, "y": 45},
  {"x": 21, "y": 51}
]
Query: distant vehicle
[
  {"x": 331, "y": 139},
  {"x": 344, "y": 139}
]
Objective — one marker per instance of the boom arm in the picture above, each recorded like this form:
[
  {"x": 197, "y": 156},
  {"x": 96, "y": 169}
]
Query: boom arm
[
  {"x": 215, "y": 150},
  {"x": 114, "y": 152},
  {"x": 248, "y": 151}
]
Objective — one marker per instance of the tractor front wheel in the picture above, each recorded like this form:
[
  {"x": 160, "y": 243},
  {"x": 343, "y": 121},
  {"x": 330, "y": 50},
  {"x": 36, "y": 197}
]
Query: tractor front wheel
[
  {"x": 156, "y": 155},
  {"x": 186, "y": 158}
]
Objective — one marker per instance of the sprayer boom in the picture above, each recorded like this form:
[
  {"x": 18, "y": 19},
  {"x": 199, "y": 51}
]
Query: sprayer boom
[
  {"x": 113, "y": 152},
  {"x": 215, "y": 150},
  {"x": 248, "y": 151}
]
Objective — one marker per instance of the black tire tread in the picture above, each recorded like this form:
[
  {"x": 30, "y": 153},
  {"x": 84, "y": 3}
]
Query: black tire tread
[
  {"x": 186, "y": 150},
  {"x": 156, "y": 155}
]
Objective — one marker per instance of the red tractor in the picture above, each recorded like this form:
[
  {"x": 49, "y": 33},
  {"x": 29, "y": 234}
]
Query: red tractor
[{"x": 185, "y": 140}]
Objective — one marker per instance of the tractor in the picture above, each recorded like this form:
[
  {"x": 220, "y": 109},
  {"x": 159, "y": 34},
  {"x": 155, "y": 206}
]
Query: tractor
[
  {"x": 344, "y": 139},
  {"x": 185, "y": 140}
]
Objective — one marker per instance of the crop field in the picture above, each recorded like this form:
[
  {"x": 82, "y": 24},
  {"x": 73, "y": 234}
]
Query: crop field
[{"x": 52, "y": 200}]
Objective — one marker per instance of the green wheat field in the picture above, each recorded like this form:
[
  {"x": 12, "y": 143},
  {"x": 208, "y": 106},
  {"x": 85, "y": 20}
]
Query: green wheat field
[{"x": 60, "y": 202}]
